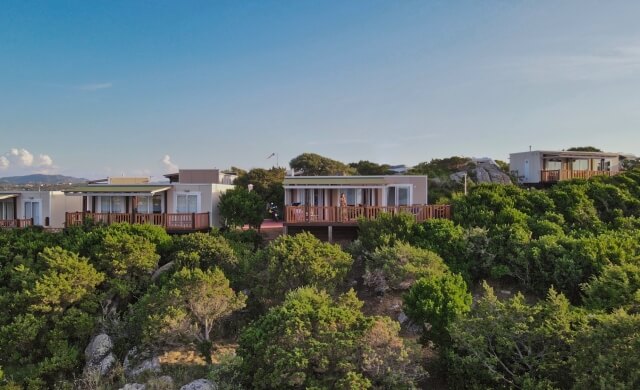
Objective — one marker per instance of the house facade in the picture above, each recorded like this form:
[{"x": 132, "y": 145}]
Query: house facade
[
  {"x": 326, "y": 205},
  {"x": 545, "y": 167},
  {"x": 39, "y": 208},
  {"x": 189, "y": 202}
]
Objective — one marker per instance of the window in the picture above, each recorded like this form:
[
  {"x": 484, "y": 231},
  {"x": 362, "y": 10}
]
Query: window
[
  {"x": 187, "y": 203},
  {"x": 353, "y": 195},
  {"x": 580, "y": 165},
  {"x": 112, "y": 204},
  {"x": 6, "y": 210},
  {"x": 149, "y": 204},
  {"x": 398, "y": 196}
]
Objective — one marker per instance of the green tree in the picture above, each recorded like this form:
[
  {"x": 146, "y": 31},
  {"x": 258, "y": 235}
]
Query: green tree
[
  {"x": 605, "y": 354},
  {"x": 266, "y": 182},
  {"x": 203, "y": 250},
  {"x": 512, "y": 344},
  {"x": 240, "y": 206},
  {"x": 188, "y": 307},
  {"x": 584, "y": 149},
  {"x": 399, "y": 266},
  {"x": 437, "y": 300},
  {"x": 364, "y": 167},
  {"x": 617, "y": 286},
  {"x": 290, "y": 262},
  {"x": 312, "y": 341},
  {"x": 311, "y": 164}
]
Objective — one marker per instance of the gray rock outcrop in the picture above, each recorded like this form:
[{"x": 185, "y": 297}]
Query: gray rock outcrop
[
  {"x": 98, "y": 354},
  {"x": 133, "y": 386},
  {"x": 200, "y": 384}
]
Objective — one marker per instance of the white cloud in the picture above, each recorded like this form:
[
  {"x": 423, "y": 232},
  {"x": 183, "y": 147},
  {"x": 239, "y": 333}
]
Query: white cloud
[
  {"x": 23, "y": 161},
  {"x": 21, "y": 157},
  {"x": 94, "y": 86},
  {"x": 169, "y": 166}
]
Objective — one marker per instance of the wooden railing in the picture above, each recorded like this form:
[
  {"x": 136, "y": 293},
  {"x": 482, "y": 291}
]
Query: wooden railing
[
  {"x": 172, "y": 222},
  {"x": 15, "y": 223},
  {"x": 566, "y": 174},
  {"x": 351, "y": 214}
]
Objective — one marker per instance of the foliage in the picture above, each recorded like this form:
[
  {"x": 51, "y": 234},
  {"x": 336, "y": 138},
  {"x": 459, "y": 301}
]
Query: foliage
[
  {"x": 584, "y": 149},
  {"x": 364, "y": 167},
  {"x": 605, "y": 354},
  {"x": 189, "y": 307},
  {"x": 385, "y": 230},
  {"x": 239, "y": 207},
  {"x": 267, "y": 183},
  {"x": 441, "y": 167},
  {"x": 312, "y": 341},
  {"x": 205, "y": 251},
  {"x": 401, "y": 265},
  {"x": 290, "y": 262},
  {"x": 617, "y": 286},
  {"x": 438, "y": 301},
  {"x": 311, "y": 164},
  {"x": 512, "y": 344}
]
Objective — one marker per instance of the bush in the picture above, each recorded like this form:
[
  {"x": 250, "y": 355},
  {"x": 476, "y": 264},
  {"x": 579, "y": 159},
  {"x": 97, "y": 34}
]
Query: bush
[
  {"x": 312, "y": 341},
  {"x": 438, "y": 301},
  {"x": 400, "y": 266},
  {"x": 239, "y": 207},
  {"x": 290, "y": 262},
  {"x": 385, "y": 230},
  {"x": 618, "y": 286}
]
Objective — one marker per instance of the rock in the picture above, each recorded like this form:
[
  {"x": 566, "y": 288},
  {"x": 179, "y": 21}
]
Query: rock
[
  {"x": 98, "y": 354},
  {"x": 505, "y": 292},
  {"x": 149, "y": 365},
  {"x": 402, "y": 318},
  {"x": 200, "y": 384},
  {"x": 133, "y": 386},
  {"x": 161, "y": 270},
  {"x": 106, "y": 364},
  {"x": 99, "y": 347}
]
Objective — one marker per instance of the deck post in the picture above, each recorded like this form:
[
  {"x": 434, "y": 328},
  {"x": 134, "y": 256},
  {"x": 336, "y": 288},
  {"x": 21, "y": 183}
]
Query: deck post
[
  {"x": 193, "y": 221},
  {"x": 330, "y": 233}
]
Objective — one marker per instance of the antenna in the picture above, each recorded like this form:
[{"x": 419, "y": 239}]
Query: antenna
[{"x": 529, "y": 147}]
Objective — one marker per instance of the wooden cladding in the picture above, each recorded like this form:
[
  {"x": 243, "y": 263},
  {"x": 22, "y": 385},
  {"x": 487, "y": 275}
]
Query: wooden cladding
[
  {"x": 351, "y": 214},
  {"x": 171, "y": 222},
  {"x": 567, "y": 174}
]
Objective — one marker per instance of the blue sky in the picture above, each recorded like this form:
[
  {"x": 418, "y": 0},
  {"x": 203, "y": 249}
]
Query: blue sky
[{"x": 92, "y": 88}]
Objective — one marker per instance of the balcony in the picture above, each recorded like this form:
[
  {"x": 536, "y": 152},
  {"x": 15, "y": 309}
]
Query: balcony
[
  {"x": 174, "y": 223},
  {"x": 15, "y": 223},
  {"x": 349, "y": 215},
  {"x": 552, "y": 176}
]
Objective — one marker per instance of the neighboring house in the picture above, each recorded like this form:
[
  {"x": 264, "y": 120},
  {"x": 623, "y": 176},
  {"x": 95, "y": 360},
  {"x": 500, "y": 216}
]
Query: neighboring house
[
  {"x": 189, "y": 202},
  {"x": 313, "y": 203},
  {"x": 40, "y": 208},
  {"x": 544, "y": 167}
]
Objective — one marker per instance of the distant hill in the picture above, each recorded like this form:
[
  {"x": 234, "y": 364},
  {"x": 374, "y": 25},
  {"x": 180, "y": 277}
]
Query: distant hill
[{"x": 40, "y": 179}]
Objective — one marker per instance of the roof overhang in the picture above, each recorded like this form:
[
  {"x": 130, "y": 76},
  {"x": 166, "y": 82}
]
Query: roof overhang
[
  {"x": 334, "y": 181},
  {"x": 116, "y": 190},
  {"x": 8, "y": 196}
]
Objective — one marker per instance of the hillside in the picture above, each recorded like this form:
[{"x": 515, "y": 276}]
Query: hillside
[{"x": 41, "y": 179}]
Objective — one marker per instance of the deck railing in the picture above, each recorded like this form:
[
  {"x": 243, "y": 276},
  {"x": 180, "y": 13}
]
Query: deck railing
[
  {"x": 171, "y": 222},
  {"x": 15, "y": 223},
  {"x": 567, "y": 174},
  {"x": 351, "y": 214}
]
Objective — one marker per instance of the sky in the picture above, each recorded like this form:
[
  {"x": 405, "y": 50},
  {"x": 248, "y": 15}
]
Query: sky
[{"x": 109, "y": 88}]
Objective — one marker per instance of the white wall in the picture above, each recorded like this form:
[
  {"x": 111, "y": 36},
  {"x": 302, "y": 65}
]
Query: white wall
[{"x": 518, "y": 162}]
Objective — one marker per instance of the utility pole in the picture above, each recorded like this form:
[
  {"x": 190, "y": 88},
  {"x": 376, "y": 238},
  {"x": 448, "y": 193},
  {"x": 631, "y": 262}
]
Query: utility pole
[{"x": 465, "y": 183}]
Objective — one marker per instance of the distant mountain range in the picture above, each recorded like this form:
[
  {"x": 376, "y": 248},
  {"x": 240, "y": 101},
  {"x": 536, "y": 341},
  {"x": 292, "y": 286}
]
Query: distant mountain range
[{"x": 41, "y": 179}]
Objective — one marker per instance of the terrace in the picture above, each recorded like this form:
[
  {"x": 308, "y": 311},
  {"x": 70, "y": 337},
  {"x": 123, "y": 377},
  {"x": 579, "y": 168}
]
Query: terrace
[{"x": 173, "y": 223}]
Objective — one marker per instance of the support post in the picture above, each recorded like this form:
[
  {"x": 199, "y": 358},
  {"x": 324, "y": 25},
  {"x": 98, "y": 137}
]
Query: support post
[{"x": 330, "y": 231}]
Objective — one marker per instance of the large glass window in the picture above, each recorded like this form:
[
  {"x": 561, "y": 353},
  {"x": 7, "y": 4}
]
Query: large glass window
[
  {"x": 144, "y": 205},
  {"x": 580, "y": 165},
  {"x": 398, "y": 196},
  {"x": 354, "y": 196},
  {"x": 187, "y": 203},
  {"x": 6, "y": 210},
  {"x": 112, "y": 204}
]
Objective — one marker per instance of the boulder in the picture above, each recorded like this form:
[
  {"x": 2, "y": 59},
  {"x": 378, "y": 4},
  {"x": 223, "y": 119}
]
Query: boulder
[
  {"x": 133, "y": 386},
  {"x": 149, "y": 365},
  {"x": 200, "y": 384},
  {"x": 98, "y": 354},
  {"x": 99, "y": 347},
  {"x": 402, "y": 318}
]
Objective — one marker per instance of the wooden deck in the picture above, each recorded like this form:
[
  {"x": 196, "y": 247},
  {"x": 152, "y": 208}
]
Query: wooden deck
[
  {"x": 349, "y": 215},
  {"x": 15, "y": 223},
  {"x": 181, "y": 222},
  {"x": 553, "y": 176}
]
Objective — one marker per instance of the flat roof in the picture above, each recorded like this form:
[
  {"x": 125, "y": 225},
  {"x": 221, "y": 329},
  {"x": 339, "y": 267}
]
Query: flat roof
[
  {"x": 569, "y": 153},
  {"x": 104, "y": 189},
  {"x": 344, "y": 180}
]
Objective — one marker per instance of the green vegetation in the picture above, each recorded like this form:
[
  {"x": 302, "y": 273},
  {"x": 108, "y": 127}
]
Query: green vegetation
[
  {"x": 239, "y": 207},
  {"x": 566, "y": 313}
]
